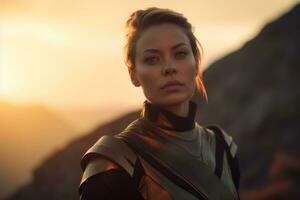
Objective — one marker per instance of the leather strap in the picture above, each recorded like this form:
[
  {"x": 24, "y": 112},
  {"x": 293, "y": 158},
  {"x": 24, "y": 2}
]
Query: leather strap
[{"x": 221, "y": 147}]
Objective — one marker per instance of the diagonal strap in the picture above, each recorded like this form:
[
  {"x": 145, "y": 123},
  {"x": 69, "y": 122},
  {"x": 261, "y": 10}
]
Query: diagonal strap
[
  {"x": 220, "y": 149},
  {"x": 170, "y": 174}
]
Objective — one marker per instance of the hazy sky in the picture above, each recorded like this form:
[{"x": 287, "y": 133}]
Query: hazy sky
[{"x": 70, "y": 52}]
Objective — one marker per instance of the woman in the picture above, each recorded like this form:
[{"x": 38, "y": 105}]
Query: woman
[{"x": 164, "y": 154}]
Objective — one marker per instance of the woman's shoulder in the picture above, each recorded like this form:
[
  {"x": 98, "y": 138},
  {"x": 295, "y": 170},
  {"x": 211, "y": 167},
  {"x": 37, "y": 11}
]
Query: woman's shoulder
[
  {"x": 214, "y": 133},
  {"x": 110, "y": 147},
  {"x": 106, "y": 154}
]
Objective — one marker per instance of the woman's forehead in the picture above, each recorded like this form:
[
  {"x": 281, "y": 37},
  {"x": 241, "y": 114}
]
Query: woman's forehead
[{"x": 161, "y": 36}]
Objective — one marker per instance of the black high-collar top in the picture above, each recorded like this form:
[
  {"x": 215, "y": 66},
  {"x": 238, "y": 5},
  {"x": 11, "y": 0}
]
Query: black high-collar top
[{"x": 168, "y": 120}]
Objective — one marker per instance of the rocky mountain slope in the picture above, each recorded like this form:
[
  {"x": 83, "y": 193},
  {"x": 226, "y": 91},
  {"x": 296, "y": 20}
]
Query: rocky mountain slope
[{"x": 255, "y": 94}]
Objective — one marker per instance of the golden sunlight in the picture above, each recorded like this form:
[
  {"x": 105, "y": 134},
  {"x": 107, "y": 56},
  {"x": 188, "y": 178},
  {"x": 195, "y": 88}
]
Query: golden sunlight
[
  {"x": 8, "y": 85},
  {"x": 15, "y": 75},
  {"x": 22, "y": 27}
]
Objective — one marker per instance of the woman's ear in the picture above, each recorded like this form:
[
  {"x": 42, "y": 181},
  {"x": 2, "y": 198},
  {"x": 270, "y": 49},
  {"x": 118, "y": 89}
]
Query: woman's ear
[{"x": 133, "y": 77}]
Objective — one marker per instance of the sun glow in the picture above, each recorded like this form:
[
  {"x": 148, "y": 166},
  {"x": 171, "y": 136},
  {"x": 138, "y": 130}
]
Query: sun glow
[
  {"x": 8, "y": 84},
  {"x": 7, "y": 87},
  {"x": 17, "y": 54}
]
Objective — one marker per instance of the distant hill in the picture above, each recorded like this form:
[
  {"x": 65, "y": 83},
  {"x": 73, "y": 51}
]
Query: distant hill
[
  {"x": 88, "y": 118},
  {"x": 253, "y": 93},
  {"x": 27, "y": 135}
]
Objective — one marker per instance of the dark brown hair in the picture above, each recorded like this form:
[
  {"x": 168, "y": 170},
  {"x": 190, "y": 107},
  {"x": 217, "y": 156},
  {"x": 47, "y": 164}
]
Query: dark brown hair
[{"x": 140, "y": 20}]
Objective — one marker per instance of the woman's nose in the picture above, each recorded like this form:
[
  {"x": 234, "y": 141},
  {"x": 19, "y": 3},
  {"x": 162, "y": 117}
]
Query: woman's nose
[{"x": 169, "y": 67}]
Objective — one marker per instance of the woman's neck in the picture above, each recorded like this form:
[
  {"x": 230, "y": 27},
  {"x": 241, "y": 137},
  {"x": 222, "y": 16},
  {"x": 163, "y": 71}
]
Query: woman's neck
[{"x": 166, "y": 119}]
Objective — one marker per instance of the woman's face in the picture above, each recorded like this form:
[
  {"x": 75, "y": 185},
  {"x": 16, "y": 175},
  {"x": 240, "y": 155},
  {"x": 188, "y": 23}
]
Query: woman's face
[{"x": 164, "y": 56}]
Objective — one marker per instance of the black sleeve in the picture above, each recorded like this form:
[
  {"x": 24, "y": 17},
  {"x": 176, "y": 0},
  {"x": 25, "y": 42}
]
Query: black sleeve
[{"x": 110, "y": 185}]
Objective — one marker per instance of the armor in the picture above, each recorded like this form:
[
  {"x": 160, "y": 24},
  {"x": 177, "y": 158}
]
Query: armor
[{"x": 170, "y": 169}]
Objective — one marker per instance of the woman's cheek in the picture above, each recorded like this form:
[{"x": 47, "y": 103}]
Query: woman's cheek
[
  {"x": 190, "y": 75},
  {"x": 149, "y": 79}
]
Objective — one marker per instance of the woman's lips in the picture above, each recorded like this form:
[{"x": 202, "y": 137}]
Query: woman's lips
[{"x": 172, "y": 85}]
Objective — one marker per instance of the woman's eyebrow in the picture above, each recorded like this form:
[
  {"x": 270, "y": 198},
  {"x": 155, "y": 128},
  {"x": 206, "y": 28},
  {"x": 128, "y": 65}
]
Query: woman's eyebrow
[
  {"x": 178, "y": 45},
  {"x": 173, "y": 47},
  {"x": 151, "y": 50}
]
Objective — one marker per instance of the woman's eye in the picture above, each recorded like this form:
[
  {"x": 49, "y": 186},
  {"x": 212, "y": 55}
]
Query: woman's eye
[
  {"x": 151, "y": 60},
  {"x": 181, "y": 55}
]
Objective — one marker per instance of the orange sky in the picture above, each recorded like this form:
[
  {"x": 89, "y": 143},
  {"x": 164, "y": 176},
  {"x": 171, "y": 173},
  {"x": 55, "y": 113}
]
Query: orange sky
[{"x": 70, "y": 53}]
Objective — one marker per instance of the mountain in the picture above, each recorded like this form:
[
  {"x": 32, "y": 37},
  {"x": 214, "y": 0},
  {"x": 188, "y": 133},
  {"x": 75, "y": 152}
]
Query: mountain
[
  {"x": 253, "y": 94},
  {"x": 27, "y": 135},
  {"x": 85, "y": 119}
]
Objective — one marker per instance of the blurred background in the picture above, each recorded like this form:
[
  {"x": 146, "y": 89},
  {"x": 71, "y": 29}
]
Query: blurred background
[{"x": 64, "y": 84}]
